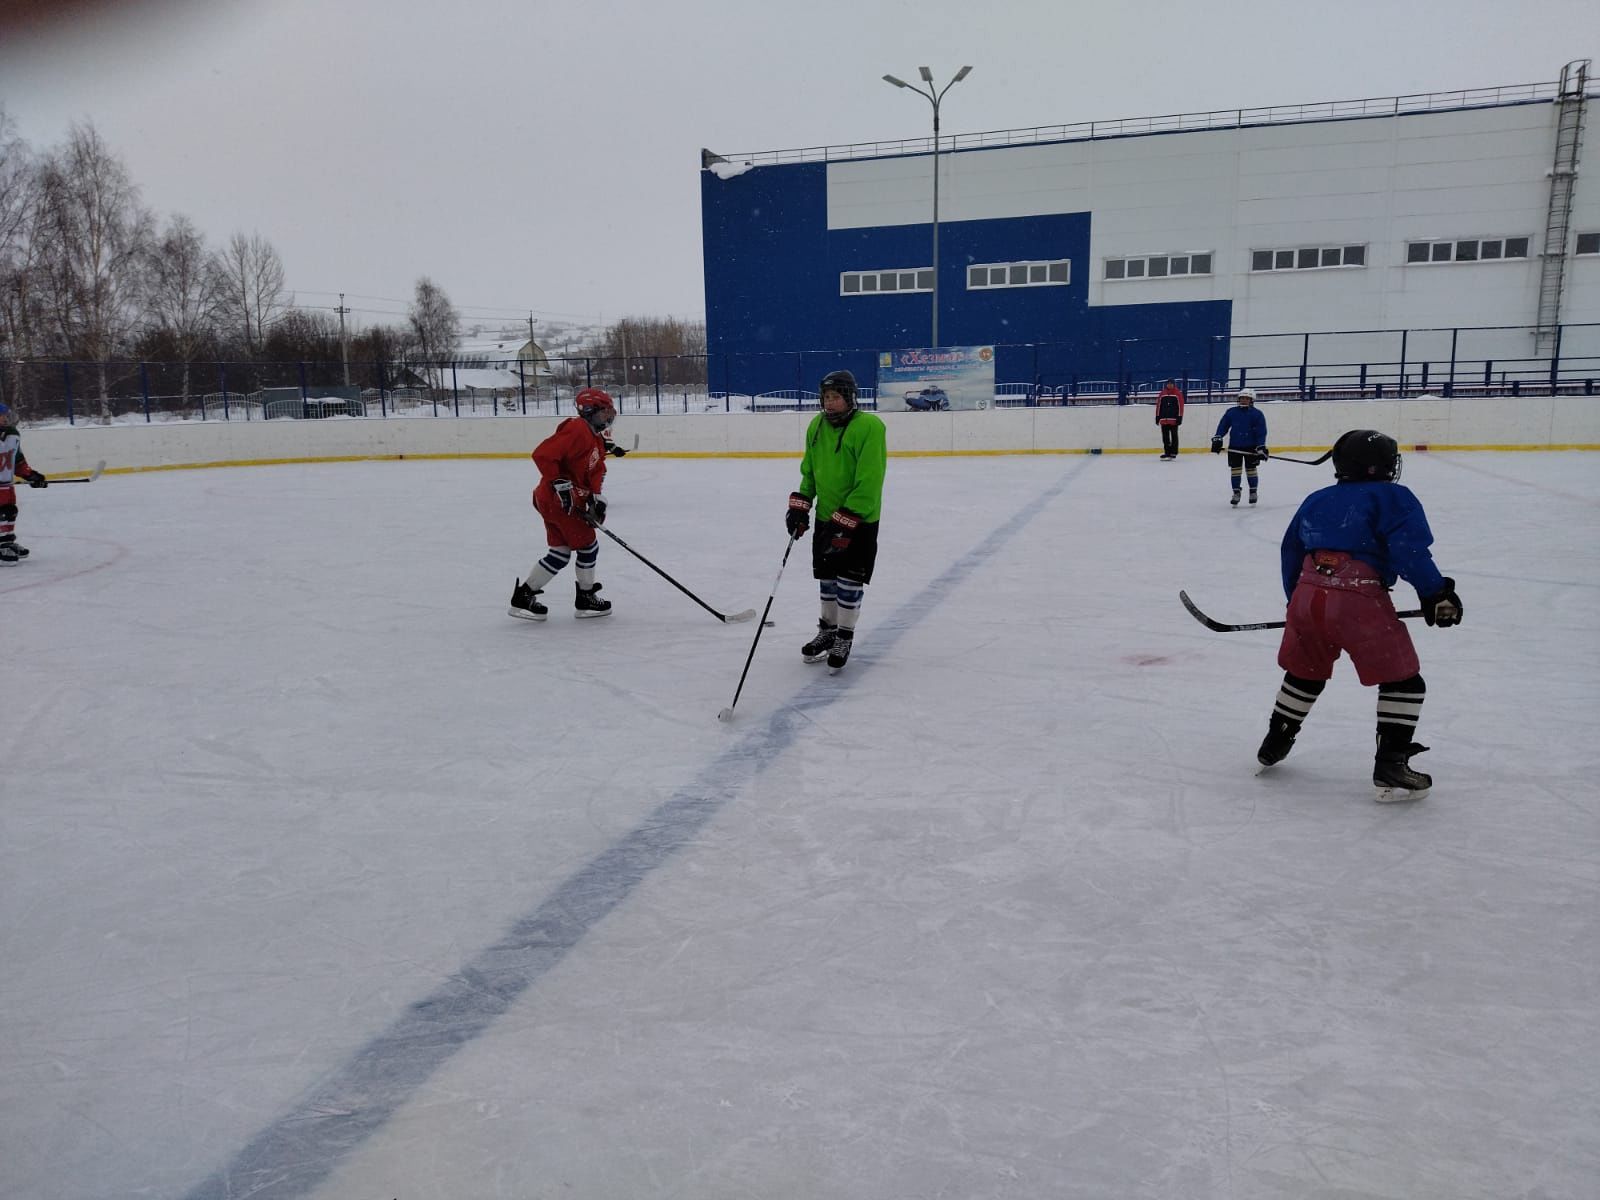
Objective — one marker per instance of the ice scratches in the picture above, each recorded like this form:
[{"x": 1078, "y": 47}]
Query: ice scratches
[{"x": 294, "y": 1155}]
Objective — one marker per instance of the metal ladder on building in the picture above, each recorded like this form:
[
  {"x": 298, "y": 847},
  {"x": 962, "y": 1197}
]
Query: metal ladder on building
[{"x": 1570, "y": 100}]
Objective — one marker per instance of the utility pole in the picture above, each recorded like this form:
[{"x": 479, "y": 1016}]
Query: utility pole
[{"x": 344, "y": 346}]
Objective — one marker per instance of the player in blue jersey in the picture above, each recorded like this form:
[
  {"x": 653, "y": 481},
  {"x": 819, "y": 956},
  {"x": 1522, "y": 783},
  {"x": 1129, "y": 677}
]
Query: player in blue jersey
[
  {"x": 1344, "y": 549},
  {"x": 1246, "y": 431}
]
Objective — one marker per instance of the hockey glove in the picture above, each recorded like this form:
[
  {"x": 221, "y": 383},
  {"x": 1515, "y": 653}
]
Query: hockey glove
[
  {"x": 563, "y": 489},
  {"x": 595, "y": 510},
  {"x": 845, "y": 523},
  {"x": 1216, "y": 445},
  {"x": 38, "y": 480},
  {"x": 1261, "y": 452},
  {"x": 615, "y": 450},
  {"x": 1443, "y": 608},
  {"x": 798, "y": 519}
]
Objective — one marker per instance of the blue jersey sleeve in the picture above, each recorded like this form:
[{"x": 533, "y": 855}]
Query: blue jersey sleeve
[
  {"x": 1293, "y": 551},
  {"x": 1407, "y": 536}
]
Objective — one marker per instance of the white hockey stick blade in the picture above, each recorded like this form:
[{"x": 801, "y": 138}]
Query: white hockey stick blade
[
  {"x": 99, "y": 470},
  {"x": 747, "y": 615},
  {"x": 725, "y": 715}
]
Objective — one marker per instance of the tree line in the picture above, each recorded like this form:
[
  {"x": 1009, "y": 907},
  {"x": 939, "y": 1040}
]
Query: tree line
[{"x": 89, "y": 274}]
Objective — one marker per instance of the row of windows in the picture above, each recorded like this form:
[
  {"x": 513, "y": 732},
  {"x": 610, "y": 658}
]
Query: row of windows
[
  {"x": 1466, "y": 250},
  {"x": 1058, "y": 272},
  {"x": 1157, "y": 266}
]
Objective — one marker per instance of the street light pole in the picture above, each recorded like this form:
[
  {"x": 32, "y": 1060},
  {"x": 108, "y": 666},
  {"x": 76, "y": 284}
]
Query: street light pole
[{"x": 933, "y": 96}]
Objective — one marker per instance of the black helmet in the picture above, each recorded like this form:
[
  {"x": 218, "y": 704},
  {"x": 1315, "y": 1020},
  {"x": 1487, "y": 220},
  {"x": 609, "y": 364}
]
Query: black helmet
[
  {"x": 845, "y": 384},
  {"x": 1364, "y": 455}
]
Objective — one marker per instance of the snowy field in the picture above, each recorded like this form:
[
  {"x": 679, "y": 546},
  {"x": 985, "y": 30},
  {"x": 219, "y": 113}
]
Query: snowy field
[{"x": 322, "y": 877}]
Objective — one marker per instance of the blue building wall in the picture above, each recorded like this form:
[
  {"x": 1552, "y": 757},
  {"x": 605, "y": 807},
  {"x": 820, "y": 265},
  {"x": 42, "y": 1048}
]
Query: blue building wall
[{"x": 775, "y": 318}]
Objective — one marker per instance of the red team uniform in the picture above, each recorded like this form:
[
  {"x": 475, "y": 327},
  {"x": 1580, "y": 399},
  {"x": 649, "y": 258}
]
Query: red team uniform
[
  {"x": 572, "y": 470},
  {"x": 13, "y": 466}
]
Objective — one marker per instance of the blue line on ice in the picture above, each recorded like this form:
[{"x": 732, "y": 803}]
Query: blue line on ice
[{"x": 293, "y": 1155}]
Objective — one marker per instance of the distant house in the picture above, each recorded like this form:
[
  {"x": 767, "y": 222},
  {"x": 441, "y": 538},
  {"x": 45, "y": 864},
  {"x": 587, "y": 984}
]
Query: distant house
[{"x": 496, "y": 365}]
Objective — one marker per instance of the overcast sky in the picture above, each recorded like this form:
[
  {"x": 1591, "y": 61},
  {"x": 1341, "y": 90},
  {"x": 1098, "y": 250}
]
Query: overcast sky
[{"x": 545, "y": 156}]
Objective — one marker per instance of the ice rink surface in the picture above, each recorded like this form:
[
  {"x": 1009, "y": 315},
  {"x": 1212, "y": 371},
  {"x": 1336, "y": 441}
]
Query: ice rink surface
[{"x": 320, "y": 876}]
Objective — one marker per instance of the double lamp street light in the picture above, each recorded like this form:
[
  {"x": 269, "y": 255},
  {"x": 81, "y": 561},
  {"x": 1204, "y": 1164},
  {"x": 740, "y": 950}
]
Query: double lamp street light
[{"x": 933, "y": 97}]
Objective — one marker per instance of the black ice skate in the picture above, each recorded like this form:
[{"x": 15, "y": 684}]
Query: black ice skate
[
  {"x": 1279, "y": 741},
  {"x": 10, "y": 552},
  {"x": 1392, "y": 774},
  {"x": 1235, "y": 500},
  {"x": 525, "y": 603},
  {"x": 1252, "y": 495},
  {"x": 840, "y": 653},
  {"x": 817, "y": 648},
  {"x": 590, "y": 605}
]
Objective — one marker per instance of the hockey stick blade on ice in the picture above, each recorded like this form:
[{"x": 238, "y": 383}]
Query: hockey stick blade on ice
[
  {"x": 99, "y": 470},
  {"x": 1221, "y": 627},
  {"x": 725, "y": 618},
  {"x": 727, "y": 713}
]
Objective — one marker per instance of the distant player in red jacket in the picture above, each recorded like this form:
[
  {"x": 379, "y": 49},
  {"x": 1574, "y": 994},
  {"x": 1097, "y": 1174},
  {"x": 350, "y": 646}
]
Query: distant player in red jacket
[
  {"x": 13, "y": 466},
  {"x": 572, "y": 468},
  {"x": 1169, "y": 415}
]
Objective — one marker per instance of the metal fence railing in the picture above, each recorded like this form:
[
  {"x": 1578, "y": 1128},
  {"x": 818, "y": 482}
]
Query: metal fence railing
[{"x": 1315, "y": 365}]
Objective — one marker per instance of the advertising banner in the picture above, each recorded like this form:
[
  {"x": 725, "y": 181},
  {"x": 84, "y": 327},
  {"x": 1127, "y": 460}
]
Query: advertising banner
[{"x": 936, "y": 380}]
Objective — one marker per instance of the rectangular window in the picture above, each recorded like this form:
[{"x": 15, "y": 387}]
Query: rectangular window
[
  {"x": 890, "y": 281},
  {"x": 1159, "y": 266},
  {"x": 1589, "y": 243},
  {"x": 1467, "y": 250},
  {"x": 1036, "y": 273},
  {"x": 1304, "y": 258}
]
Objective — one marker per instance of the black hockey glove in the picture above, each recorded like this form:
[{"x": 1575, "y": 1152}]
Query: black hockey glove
[
  {"x": 1261, "y": 452},
  {"x": 615, "y": 450},
  {"x": 1216, "y": 445},
  {"x": 563, "y": 488},
  {"x": 845, "y": 523},
  {"x": 595, "y": 510},
  {"x": 1443, "y": 608},
  {"x": 798, "y": 519},
  {"x": 38, "y": 480}
]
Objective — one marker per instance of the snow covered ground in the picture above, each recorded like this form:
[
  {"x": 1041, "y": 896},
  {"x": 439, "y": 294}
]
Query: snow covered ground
[{"x": 322, "y": 877}]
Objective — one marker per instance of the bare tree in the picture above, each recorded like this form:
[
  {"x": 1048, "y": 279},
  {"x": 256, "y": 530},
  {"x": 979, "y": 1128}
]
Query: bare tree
[
  {"x": 19, "y": 205},
  {"x": 251, "y": 287},
  {"x": 435, "y": 323},
  {"x": 95, "y": 239},
  {"x": 183, "y": 292}
]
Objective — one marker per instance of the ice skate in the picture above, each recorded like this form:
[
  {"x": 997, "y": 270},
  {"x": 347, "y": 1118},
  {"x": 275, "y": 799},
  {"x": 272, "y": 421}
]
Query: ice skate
[
  {"x": 817, "y": 648},
  {"x": 1279, "y": 741},
  {"x": 1235, "y": 500},
  {"x": 1252, "y": 495},
  {"x": 588, "y": 604},
  {"x": 525, "y": 603},
  {"x": 9, "y": 553},
  {"x": 840, "y": 652},
  {"x": 1393, "y": 777}
]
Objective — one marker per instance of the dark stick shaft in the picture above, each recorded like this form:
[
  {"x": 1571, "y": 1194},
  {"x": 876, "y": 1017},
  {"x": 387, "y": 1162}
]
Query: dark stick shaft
[
  {"x": 1224, "y": 627},
  {"x": 723, "y": 617},
  {"x": 760, "y": 627}
]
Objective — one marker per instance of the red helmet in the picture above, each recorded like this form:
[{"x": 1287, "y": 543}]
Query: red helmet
[{"x": 596, "y": 407}]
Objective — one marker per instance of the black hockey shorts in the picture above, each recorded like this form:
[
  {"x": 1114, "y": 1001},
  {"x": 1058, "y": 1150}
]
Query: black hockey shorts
[{"x": 854, "y": 562}]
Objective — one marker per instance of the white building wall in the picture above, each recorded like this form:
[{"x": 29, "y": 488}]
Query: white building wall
[{"x": 1380, "y": 182}]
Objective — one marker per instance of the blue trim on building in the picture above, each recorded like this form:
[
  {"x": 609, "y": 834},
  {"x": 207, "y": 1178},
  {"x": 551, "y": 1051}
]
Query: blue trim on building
[{"x": 775, "y": 319}]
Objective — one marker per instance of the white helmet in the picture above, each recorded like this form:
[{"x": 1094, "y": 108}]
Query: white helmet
[{"x": 1247, "y": 394}]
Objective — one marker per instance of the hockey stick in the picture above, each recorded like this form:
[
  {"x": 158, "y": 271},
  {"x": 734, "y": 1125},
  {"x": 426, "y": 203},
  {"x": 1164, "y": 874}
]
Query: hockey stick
[
  {"x": 727, "y": 713},
  {"x": 725, "y": 618},
  {"x": 1304, "y": 462},
  {"x": 99, "y": 470},
  {"x": 1220, "y": 627}
]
